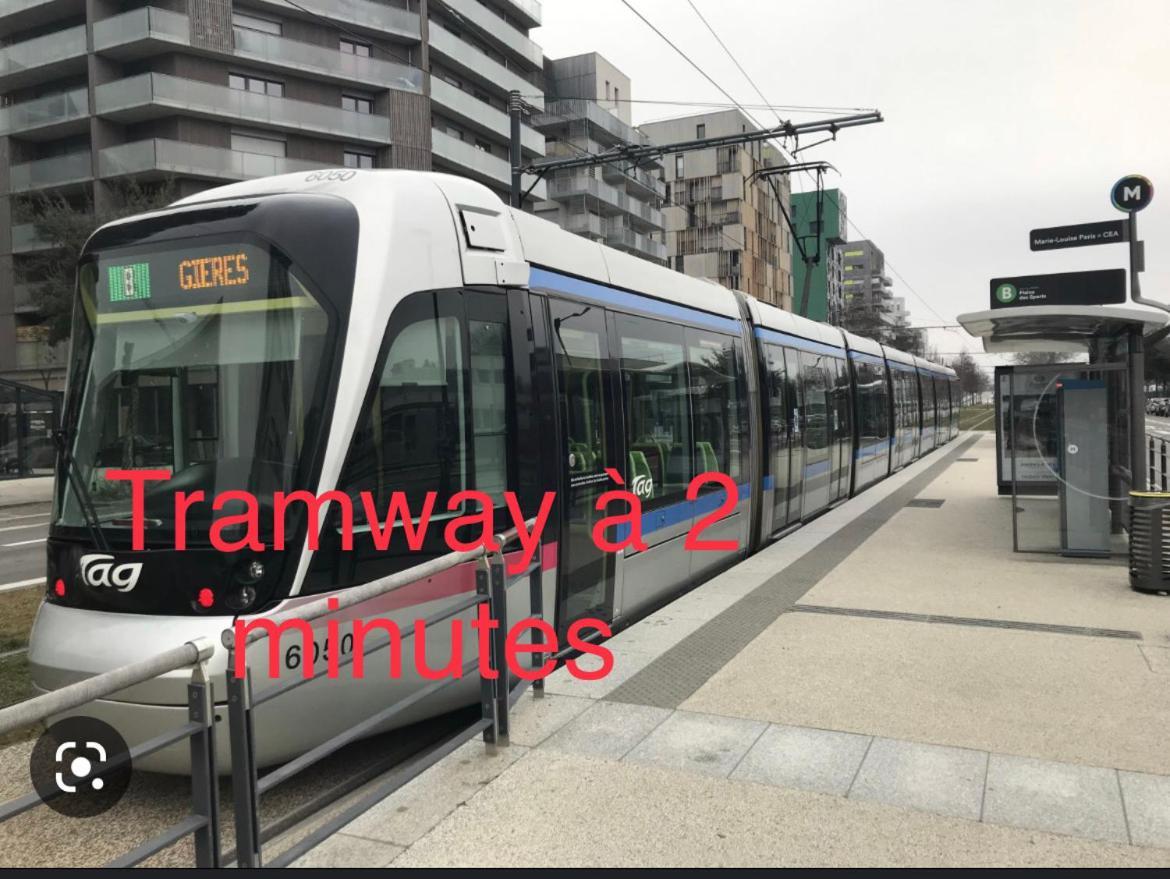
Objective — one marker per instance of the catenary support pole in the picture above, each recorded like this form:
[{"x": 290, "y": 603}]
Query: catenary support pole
[{"x": 514, "y": 158}]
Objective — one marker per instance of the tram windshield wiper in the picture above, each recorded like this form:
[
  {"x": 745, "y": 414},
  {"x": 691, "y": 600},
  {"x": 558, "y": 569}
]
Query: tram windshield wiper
[{"x": 84, "y": 500}]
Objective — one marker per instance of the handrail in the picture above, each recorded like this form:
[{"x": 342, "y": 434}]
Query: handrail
[
  {"x": 105, "y": 684},
  {"x": 357, "y": 594}
]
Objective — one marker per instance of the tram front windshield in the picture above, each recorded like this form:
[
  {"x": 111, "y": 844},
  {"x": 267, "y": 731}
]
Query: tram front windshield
[{"x": 204, "y": 358}]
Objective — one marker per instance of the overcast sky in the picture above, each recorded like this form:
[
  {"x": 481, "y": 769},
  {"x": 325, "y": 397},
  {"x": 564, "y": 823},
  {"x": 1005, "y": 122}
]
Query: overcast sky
[{"x": 1001, "y": 116}]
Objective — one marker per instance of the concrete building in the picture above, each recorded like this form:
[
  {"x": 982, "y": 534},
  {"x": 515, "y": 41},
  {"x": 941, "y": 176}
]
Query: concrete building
[
  {"x": 718, "y": 225},
  {"x": 866, "y": 283},
  {"x": 203, "y": 92},
  {"x": 825, "y": 289},
  {"x": 585, "y": 112}
]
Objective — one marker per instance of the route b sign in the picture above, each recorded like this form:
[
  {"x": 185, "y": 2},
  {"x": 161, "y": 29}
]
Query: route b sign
[{"x": 1132, "y": 193}]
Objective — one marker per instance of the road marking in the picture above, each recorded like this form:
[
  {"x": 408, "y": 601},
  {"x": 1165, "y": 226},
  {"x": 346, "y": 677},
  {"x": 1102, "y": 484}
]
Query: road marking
[
  {"x": 18, "y": 652},
  {"x": 22, "y": 584},
  {"x": 29, "y": 525},
  {"x": 23, "y": 542},
  {"x": 23, "y": 516}
]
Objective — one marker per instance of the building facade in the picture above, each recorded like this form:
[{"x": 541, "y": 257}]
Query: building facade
[
  {"x": 718, "y": 224},
  {"x": 826, "y": 292},
  {"x": 203, "y": 92},
  {"x": 587, "y": 111},
  {"x": 867, "y": 287}
]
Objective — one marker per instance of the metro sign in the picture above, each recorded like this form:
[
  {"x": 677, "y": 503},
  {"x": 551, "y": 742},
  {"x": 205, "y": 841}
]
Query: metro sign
[{"x": 1132, "y": 193}]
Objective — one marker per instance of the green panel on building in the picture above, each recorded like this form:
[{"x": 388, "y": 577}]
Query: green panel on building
[{"x": 831, "y": 231}]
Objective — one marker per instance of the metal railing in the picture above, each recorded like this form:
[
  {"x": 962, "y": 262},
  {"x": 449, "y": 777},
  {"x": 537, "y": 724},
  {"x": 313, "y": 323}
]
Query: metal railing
[
  {"x": 203, "y": 820},
  {"x": 496, "y": 697},
  {"x": 248, "y": 786},
  {"x": 1159, "y": 474}
]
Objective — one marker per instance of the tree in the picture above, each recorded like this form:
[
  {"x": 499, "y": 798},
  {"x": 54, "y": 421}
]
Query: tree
[
  {"x": 1045, "y": 358},
  {"x": 972, "y": 379},
  {"x": 908, "y": 339},
  {"x": 857, "y": 317},
  {"x": 66, "y": 227}
]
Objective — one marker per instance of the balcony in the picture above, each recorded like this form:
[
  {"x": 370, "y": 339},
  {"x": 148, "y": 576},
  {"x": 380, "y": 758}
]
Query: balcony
[
  {"x": 587, "y": 224},
  {"x": 624, "y": 238},
  {"x": 26, "y": 240},
  {"x": 51, "y": 56},
  {"x": 46, "y": 117},
  {"x": 19, "y": 15},
  {"x": 474, "y": 63},
  {"x": 166, "y": 157},
  {"x": 576, "y": 110},
  {"x": 387, "y": 20},
  {"x": 639, "y": 183},
  {"x": 149, "y": 30},
  {"x": 54, "y": 171},
  {"x": 497, "y": 30},
  {"x": 23, "y": 301},
  {"x": 483, "y": 117},
  {"x": 476, "y": 164},
  {"x": 528, "y": 11},
  {"x": 155, "y": 94},
  {"x": 609, "y": 199}
]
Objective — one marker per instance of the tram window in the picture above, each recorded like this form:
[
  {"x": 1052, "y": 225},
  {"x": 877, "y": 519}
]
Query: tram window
[
  {"x": 489, "y": 398},
  {"x": 816, "y": 383},
  {"x": 871, "y": 402},
  {"x": 655, "y": 392},
  {"x": 719, "y": 405},
  {"x": 412, "y": 437}
]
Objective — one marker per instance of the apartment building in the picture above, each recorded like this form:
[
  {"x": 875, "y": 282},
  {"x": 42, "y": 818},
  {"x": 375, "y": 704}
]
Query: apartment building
[
  {"x": 820, "y": 234},
  {"x": 866, "y": 284},
  {"x": 718, "y": 224},
  {"x": 587, "y": 110},
  {"x": 203, "y": 92}
]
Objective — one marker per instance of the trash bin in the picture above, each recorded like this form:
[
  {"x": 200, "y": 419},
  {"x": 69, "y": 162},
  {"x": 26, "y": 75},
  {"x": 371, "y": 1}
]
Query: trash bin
[{"x": 1149, "y": 547}]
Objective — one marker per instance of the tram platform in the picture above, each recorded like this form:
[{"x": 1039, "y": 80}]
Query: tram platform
[{"x": 889, "y": 685}]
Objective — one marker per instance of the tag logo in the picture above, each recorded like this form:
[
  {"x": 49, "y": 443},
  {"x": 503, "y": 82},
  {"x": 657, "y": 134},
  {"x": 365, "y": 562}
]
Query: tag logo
[
  {"x": 643, "y": 486},
  {"x": 99, "y": 571}
]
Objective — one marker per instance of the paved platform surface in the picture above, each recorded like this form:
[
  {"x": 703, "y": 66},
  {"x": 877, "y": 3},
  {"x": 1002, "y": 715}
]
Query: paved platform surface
[
  {"x": 890, "y": 685},
  {"x": 31, "y": 490}
]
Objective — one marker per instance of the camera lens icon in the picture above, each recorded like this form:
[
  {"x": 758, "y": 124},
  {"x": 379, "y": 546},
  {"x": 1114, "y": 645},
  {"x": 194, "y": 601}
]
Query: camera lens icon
[{"x": 80, "y": 767}]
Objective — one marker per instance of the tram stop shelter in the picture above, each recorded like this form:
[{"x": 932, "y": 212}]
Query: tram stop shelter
[{"x": 1070, "y": 437}]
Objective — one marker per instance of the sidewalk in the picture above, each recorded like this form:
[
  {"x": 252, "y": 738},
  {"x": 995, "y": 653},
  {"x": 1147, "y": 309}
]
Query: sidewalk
[
  {"x": 890, "y": 685},
  {"x": 32, "y": 490}
]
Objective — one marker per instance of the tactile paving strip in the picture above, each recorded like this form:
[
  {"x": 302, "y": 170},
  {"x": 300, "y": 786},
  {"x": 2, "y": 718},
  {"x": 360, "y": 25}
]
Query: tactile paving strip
[{"x": 674, "y": 677}]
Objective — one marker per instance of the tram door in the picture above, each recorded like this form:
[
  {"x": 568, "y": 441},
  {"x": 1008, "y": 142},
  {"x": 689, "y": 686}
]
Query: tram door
[
  {"x": 585, "y": 406},
  {"x": 795, "y": 395}
]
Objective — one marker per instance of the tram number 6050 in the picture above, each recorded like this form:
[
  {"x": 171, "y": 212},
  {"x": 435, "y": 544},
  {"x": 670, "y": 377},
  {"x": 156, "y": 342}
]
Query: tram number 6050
[{"x": 293, "y": 656}]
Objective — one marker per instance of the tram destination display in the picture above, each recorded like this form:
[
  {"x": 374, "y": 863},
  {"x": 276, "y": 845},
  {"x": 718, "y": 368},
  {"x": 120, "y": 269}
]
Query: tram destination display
[{"x": 1101, "y": 287}]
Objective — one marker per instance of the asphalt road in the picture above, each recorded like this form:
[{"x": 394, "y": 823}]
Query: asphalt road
[
  {"x": 1159, "y": 426},
  {"x": 23, "y": 530}
]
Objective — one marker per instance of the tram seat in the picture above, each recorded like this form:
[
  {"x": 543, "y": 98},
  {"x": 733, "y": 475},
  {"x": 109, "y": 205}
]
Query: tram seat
[
  {"x": 708, "y": 462},
  {"x": 583, "y": 457},
  {"x": 655, "y": 459}
]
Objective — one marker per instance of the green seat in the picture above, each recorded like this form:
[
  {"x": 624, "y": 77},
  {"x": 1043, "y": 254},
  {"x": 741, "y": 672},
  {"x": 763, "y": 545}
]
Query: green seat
[
  {"x": 583, "y": 457},
  {"x": 707, "y": 462}
]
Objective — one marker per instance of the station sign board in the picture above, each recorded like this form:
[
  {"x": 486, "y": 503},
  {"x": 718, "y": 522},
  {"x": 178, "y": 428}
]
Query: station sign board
[
  {"x": 1101, "y": 287},
  {"x": 1080, "y": 235}
]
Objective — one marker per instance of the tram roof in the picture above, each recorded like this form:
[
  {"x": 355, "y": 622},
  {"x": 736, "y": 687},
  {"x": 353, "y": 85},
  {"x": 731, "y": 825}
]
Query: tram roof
[{"x": 1057, "y": 327}]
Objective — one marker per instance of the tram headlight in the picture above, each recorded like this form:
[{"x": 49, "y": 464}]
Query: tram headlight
[
  {"x": 255, "y": 569},
  {"x": 242, "y": 598}
]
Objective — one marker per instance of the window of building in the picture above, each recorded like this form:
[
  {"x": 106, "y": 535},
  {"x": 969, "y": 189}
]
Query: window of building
[
  {"x": 264, "y": 145},
  {"x": 678, "y": 166},
  {"x": 357, "y": 159},
  {"x": 700, "y": 131},
  {"x": 256, "y": 23},
  {"x": 357, "y": 104},
  {"x": 607, "y": 89},
  {"x": 256, "y": 85},
  {"x": 616, "y": 96},
  {"x": 352, "y": 47},
  {"x": 483, "y": 145}
]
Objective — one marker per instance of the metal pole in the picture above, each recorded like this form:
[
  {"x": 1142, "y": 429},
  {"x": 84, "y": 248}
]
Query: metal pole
[
  {"x": 1137, "y": 409},
  {"x": 487, "y": 689},
  {"x": 1162, "y": 469},
  {"x": 499, "y": 590},
  {"x": 536, "y": 608},
  {"x": 514, "y": 156},
  {"x": 204, "y": 778},
  {"x": 244, "y": 790}
]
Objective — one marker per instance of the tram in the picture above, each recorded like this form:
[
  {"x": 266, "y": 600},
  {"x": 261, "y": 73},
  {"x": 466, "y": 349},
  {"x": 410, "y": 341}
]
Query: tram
[{"x": 394, "y": 331}]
